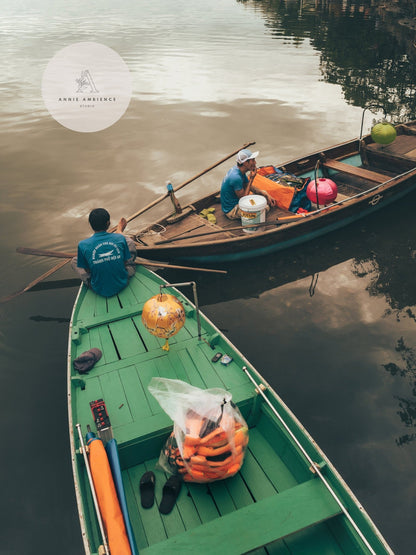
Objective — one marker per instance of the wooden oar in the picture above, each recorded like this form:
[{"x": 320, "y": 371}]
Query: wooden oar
[
  {"x": 58, "y": 254},
  {"x": 34, "y": 282},
  {"x": 237, "y": 228},
  {"x": 159, "y": 199},
  {"x": 129, "y": 219}
]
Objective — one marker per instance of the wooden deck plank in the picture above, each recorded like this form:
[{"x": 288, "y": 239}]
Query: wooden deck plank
[
  {"x": 194, "y": 376},
  {"x": 277, "y": 471},
  {"x": 205, "y": 366},
  {"x": 353, "y": 170},
  {"x": 137, "y": 401},
  {"x": 204, "y": 503},
  {"x": 257, "y": 481},
  {"x": 257, "y": 524},
  {"x": 132, "y": 506},
  {"x": 126, "y": 338},
  {"x": 222, "y": 498},
  {"x": 150, "y": 518},
  {"x": 146, "y": 372},
  {"x": 115, "y": 397},
  {"x": 110, "y": 350}
]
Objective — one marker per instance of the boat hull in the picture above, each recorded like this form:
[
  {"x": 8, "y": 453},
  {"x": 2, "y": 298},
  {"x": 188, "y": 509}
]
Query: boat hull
[
  {"x": 275, "y": 488},
  {"x": 390, "y": 178}
]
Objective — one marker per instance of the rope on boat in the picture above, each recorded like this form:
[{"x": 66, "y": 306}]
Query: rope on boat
[{"x": 315, "y": 466}]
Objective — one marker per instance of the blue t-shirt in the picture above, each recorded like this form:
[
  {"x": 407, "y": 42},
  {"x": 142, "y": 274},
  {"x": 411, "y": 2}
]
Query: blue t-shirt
[
  {"x": 103, "y": 254},
  {"x": 232, "y": 182}
]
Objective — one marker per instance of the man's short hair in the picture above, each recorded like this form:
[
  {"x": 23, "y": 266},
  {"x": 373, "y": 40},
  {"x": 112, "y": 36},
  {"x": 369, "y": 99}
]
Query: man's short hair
[{"x": 99, "y": 219}]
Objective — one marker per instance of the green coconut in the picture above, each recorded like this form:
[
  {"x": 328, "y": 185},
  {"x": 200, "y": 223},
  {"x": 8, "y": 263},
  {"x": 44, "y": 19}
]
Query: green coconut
[{"x": 383, "y": 133}]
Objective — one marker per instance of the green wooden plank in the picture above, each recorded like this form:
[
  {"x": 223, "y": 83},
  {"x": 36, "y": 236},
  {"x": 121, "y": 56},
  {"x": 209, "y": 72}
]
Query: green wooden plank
[
  {"x": 150, "y": 518},
  {"x": 238, "y": 491},
  {"x": 318, "y": 539},
  {"x": 132, "y": 506},
  {"x": 115, "y": 399},
  {"x": 256, "y": 525},
  {"x": 257, "y": 481},
  {"x": 151, "y": 342},
  {"x": 222, "y": 498},
  {"x": 100, "y": 305},
  {"x": 201, "y": 355},
  {"x": 186, "y": 361},
  {"x": 133, "y": 389},
  {"x": 187, "y": 509},
  {"x": 276, "y": 470},
  {"x": 148, "y": 370},
  {"x": 165, "y": 368},
  {"x": 127, "y": 297},
  {"x": 126, "y": 338},
  {"x": 288, "y": 452},
  {"x": 109, "y": 350},
  {"x": 203, "y": 501}
]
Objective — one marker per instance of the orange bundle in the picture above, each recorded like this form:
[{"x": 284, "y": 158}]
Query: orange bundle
[
  {"x": 209, "y": 435},
  {"x": 214, "y": 455}
]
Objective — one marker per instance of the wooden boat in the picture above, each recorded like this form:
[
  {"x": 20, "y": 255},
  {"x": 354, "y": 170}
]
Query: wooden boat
[
  {"x": 369, "y": 176},
  {"x": 286, "y": 498}
]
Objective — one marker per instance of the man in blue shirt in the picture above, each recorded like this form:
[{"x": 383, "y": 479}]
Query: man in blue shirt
[
  {"x": 105, "y": 260},
  {"x": 236, "y": 184}
]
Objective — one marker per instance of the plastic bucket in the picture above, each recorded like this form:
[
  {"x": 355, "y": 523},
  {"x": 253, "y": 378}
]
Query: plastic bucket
[{"x": 253, "y": 211}]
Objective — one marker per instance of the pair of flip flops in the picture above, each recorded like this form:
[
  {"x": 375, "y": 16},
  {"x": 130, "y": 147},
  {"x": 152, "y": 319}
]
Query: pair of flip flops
[{"x": 169, "y": 494}]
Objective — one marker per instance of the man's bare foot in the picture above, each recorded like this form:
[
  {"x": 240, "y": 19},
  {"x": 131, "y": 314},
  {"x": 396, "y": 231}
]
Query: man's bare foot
[{"x": 121, "y": 226}]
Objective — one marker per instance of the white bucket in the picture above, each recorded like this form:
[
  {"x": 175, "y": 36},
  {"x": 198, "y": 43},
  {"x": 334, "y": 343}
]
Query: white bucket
[{"x": 253, "y": 211}]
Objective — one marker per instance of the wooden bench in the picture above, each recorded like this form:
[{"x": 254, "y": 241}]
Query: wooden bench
[
  {"x": 353, "y": 170},
  {"x": 257, "y": 524}
]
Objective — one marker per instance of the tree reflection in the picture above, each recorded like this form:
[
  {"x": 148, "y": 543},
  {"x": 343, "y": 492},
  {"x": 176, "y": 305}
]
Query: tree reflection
[
  {"x": 407, "y": 412},
  {"x": 366, "y": 46}
]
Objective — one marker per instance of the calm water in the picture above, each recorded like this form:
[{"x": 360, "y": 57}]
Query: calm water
[{"x": 331, "y": 324}]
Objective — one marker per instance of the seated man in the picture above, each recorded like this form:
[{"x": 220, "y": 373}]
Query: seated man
[
  {"x": 105, "y": 260},
  {"x": 236, "y": 184}
]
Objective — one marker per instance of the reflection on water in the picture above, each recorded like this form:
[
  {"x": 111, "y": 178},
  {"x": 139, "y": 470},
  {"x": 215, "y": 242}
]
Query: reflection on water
[{"x": 330, "y": 323}]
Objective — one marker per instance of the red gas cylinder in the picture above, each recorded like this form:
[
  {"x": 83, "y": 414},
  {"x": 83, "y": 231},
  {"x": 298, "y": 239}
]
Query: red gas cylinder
[{"x": 327, "y": 191}]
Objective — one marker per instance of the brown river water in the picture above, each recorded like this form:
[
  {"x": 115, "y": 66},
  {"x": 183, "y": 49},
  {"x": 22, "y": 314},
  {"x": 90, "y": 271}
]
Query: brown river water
[{"x": 330, "y": 324}]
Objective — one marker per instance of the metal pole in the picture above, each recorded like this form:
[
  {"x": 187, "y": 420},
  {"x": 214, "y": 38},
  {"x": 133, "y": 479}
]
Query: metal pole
[
  {"x": 94, "y": 495},
  {"x": 198, "y": 319},
  {"x": 316, "y": 183},
  {"x": 310, "y": 461}
]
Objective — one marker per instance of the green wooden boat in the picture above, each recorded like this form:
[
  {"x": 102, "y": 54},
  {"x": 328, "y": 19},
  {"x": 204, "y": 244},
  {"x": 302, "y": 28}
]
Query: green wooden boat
[{"x": 287, "y": 497}]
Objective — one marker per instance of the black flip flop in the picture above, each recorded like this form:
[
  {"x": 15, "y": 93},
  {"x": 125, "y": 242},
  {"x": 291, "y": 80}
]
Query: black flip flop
[
  {"x": 147, "y": 489},
  {"x": 170, "y": 493}
]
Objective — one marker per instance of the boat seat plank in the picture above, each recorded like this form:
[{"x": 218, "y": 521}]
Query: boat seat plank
[
  {"x": 353, "y": 170},
  {"x": 256, "y": 525}
]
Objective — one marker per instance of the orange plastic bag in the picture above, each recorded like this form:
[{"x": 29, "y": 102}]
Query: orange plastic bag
[{"x": 282, "y": 194}]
